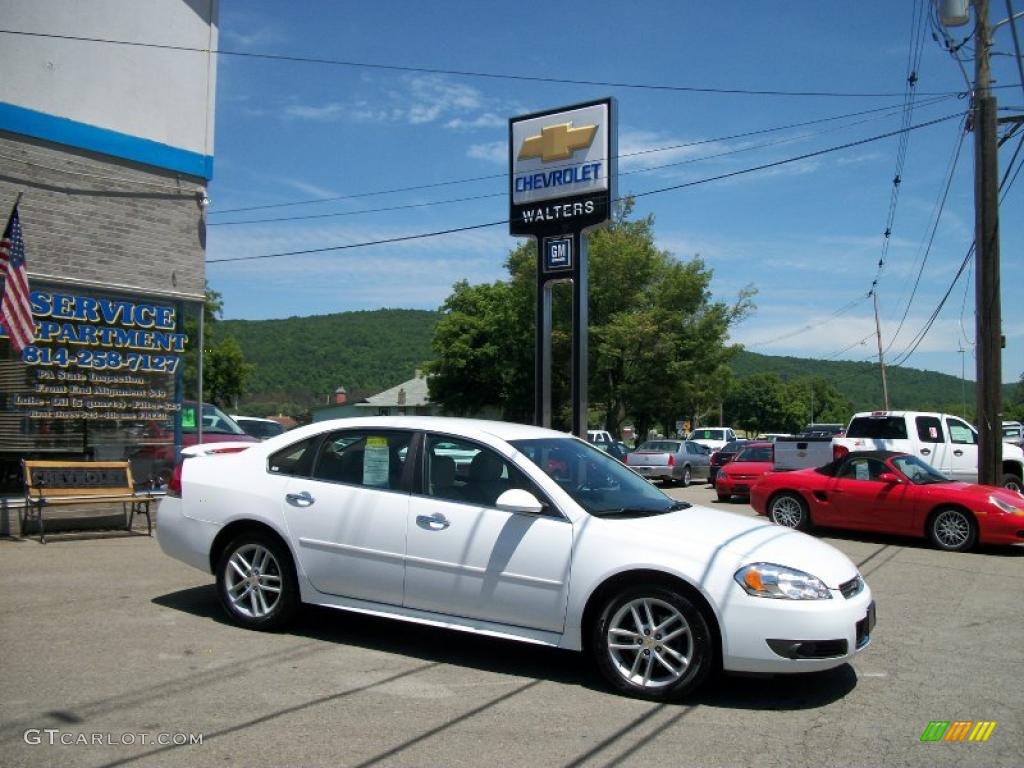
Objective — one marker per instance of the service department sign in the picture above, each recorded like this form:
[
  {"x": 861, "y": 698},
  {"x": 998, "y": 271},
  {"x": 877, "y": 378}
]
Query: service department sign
[{"x": 562, "y": 165}]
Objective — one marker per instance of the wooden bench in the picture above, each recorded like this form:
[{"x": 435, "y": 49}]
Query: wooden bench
[{"x": 66, "y": 483}]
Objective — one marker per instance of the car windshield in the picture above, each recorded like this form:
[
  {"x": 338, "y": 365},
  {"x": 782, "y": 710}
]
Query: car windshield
[
  {"x": 918, "y": 472},
  {"x": 215, "y": 421},
  {"x": 707, "y": 434},
  {"x": 601, "y": 485},
  {"x": 755, "y": 453},
  {"x": 878, "y": 427},
  {"x": 665, "y": 446}
]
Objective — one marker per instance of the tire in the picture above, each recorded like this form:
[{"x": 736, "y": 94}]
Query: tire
[
  {"x": 687, "y": 477},
  {"x": 952, "y": 529},
  {"x": 653, "y": 670},
  {"x": 251, "y": 559},
  {"x": 724, "y": 497},
  {"x": 789, "y": 509},
  {"x": 1011, "y": 481}
]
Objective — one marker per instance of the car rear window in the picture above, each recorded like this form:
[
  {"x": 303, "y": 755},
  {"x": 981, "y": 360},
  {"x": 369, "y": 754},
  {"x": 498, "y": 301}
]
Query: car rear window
[
  {"x": 756, "y": 453},
  {"x": 881, "y": 428}
]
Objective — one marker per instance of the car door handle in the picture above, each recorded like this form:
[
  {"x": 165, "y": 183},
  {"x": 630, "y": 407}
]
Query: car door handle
[
  {"x": 434, "y": 522},
  {"x": 926, "y": 451},
  {"x": 958, "y": 452},
  {"x": 299, "y": 499}
]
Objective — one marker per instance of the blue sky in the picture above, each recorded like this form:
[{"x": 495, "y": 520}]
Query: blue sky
[{"x": 807, "y": 234}]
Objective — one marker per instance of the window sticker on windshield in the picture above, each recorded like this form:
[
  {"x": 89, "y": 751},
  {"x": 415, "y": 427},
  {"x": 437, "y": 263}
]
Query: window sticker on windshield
[
  {"x": 376, "y": 462},
  {"x": 188, "y": 418},
  {"x": 861, "y": 470}
]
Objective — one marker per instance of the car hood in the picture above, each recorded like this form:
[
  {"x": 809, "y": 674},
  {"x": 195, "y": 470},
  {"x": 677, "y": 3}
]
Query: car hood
[
  {"x": 968, "y": 492},
  {"x": 703, "y": 534}
]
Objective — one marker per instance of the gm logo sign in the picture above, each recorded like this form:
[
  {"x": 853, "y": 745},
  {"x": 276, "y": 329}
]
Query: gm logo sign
[
  {"x": 557, "y": 254},
  {"x": 958, "y": 730}
]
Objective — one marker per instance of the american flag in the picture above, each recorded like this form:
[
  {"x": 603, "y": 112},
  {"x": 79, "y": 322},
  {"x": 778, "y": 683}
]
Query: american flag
[{"x": 15, "y": 308}]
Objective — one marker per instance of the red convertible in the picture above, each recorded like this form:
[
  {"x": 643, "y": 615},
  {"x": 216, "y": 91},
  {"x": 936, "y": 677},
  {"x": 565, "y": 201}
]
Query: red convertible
[{"x": 892, "y": 492}]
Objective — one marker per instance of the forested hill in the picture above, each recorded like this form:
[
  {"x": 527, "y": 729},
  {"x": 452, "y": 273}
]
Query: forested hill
[{"x": 301, "y": 360}]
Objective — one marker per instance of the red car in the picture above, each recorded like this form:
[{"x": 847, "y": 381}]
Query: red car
[
  {"x": 754, "y": 461},
  {"x": 891, "y": 492}
]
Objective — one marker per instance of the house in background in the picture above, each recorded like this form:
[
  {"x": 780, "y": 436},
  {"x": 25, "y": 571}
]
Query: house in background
[{"x": 410, "y": 398}]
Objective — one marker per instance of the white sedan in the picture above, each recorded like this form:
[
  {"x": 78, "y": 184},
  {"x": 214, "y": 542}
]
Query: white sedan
[{"x": 543, "y": 538}]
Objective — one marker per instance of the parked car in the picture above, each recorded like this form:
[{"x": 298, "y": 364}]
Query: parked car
[
  {"x": 153, "y": 455},
  {"x": 259, "y": 428},
  {"x": 946, "y": 442},
  {"x": 363, "y": 514},
  {"x": 752, "y": 463},
  {"x": 671, "y": 461},
  {"x": 723, "y": 456},
  {"x": 712, "y": 437},
  {"x": 1013, "y": 433},
  {"x": 892, "y": 492}
]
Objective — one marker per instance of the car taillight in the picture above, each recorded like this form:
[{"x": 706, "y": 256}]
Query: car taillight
[
  {"x": 839, "y": 451},
  {"x": 174, "y": 484},
  {"x": 671, "y": 460}
]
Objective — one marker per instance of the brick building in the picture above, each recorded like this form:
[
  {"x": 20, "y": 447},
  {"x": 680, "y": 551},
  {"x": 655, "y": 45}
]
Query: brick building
[{"x": 109, "y": 148}]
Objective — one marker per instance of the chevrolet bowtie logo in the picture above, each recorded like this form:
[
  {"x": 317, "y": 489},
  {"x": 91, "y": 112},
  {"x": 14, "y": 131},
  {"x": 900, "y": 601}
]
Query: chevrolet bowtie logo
[{"x": 557, "y": 142}]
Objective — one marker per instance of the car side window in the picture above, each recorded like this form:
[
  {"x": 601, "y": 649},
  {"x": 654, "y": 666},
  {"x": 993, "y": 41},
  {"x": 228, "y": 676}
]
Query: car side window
[
  {"x": 295, "y": 460},
  {"x": 960, "y": 433},
  {"x": 464, "y": 471},
  {"x": 929, "y": 429},
  {"x": 862, "y": 469},
  {"x": 371, "y": 458}
]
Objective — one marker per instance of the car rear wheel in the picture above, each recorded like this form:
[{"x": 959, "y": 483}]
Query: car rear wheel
[
  {"x": 1011, "y": 482},
  {"x": 256, "y": 582},
  {"x": 789, "y": 509},
  {"x": 953, "y": 530},
  {"x": 653, "y": 642}
]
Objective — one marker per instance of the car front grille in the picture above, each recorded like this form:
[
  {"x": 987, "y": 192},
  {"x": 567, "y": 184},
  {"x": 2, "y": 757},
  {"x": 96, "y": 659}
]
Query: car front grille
[{"x": 852, "y": 588}]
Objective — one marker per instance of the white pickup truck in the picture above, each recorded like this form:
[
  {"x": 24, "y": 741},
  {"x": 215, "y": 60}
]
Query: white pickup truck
[{"x": 946, "y": 442}]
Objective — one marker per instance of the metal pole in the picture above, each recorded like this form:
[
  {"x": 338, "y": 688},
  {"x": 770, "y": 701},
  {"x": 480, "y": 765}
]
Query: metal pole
[
  {"x": 881, "y": 360},
  {"x": 988, "y": 312},
  {"x": 199, "y": 373},
  {"x": 580, "y": 321}
]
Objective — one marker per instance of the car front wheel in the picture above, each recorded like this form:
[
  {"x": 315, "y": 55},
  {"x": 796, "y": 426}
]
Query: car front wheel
[
  {"x": 653, "y": 642},
  {"x": 790, "y": 510},
  {"x": 256, "y": 582},
  {"x": 953, "y": 530},
  {"x": 687, "y": 477}
]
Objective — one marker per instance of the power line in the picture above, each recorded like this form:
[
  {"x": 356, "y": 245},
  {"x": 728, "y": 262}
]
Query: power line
[
  {"x": 685, "y": 185},
  {"x": 462, "y": 72},
  {"x": 684, "y": 145},
  {"x": 647, "y": 169}
]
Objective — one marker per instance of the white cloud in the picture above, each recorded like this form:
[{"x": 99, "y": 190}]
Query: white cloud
[
  {"x": 323, "y": 112},
  {"x": 492, "y": 152}
]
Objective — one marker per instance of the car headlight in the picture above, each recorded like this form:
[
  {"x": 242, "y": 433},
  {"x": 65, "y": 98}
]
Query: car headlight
[
  {"x": 778, "y": 581},
  {"x": 1006, "y": 506},
  {"x": 721, "y": 474}
]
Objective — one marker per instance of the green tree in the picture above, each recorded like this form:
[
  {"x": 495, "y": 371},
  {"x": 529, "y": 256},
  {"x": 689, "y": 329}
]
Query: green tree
[
  {"x": 224, "y": 368},
  {"x": 656, "y": 337},
  {"x": 225, "y": 372}
]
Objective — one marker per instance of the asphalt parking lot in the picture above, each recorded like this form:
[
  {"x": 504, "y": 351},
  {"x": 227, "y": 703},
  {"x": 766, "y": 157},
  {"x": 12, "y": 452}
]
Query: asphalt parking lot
[{"x": 107, "y": 640}]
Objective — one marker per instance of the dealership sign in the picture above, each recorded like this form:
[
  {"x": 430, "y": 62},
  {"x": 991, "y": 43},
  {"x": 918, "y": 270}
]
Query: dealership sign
[
  {"x": 561, "y": 186},
  {"x": 562, "y": 169}
]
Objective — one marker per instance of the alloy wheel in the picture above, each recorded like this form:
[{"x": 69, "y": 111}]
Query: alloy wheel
[
  {"x": 253, "y": 581},
  {"x": 650, "y": 643}
]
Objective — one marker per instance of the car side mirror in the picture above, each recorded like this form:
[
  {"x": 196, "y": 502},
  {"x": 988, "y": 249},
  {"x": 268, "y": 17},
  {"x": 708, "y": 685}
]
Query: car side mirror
[
  {"x": 518, "y": 500},
  {"x": 889, "y": 478}
]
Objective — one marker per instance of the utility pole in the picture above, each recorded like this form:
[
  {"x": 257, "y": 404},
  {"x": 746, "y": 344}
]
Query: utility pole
[
  {"x": 881, "y": 359},
  {"x": 988, "y": 312},
  {"x": 963, "y": 379}
]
